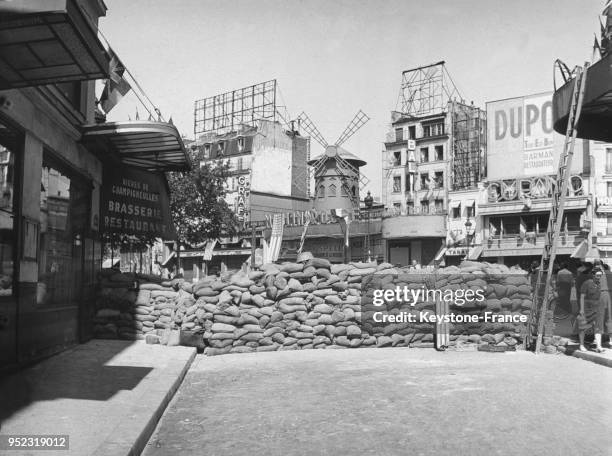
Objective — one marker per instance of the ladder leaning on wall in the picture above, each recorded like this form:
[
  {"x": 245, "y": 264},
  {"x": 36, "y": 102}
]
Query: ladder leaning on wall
[{"x": 541, "y": 309}]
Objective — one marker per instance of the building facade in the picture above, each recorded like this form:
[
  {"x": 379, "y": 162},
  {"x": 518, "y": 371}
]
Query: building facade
[
  {"x": 56, "y": 163},
  {"x": 522, "y": 157},
  {"x": 425, "y": 159}
]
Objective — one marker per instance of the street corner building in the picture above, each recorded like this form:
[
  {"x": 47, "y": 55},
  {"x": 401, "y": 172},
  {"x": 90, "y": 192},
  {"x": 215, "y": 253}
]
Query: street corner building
[{"x": 66, "y": 176}]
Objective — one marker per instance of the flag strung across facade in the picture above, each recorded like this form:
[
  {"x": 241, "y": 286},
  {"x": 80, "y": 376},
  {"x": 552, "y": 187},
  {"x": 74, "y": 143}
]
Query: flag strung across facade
[{"x": 116, "y": 86}]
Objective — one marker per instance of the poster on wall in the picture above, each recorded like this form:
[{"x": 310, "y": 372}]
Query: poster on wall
[
  {"x": 521, "y": 140},
  {"x": 135, "y": 202}
]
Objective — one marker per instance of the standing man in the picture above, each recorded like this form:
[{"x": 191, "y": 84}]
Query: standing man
[{"x": 591, "y": 315}]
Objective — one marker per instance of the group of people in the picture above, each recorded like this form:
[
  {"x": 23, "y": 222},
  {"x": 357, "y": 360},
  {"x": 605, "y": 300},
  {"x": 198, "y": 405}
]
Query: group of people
[{"x": 587, "y": 295}]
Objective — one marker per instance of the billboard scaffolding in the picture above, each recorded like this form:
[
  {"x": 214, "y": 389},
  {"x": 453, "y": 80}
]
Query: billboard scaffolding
[
  {"x": 426, "y": 90},
  {"x": 231, "y": 111},
  {"x": 469, "y": 164}
]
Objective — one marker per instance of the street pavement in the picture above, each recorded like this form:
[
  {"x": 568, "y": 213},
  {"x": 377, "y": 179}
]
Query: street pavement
[
  {"x": 105, "y": 395},
  {"x": 391, "y": 401}
]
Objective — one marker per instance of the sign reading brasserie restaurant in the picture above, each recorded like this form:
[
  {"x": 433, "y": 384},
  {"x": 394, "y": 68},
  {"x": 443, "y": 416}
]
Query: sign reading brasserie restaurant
[{"x": 136, "y": 202}]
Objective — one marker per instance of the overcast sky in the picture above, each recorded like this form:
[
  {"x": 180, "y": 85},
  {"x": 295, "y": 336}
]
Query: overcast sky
[{"x": 333, "y": 57}]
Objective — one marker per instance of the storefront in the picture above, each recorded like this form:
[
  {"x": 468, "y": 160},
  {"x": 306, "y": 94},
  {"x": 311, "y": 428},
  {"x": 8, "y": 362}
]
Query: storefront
[{"x": 52, "y": 176}]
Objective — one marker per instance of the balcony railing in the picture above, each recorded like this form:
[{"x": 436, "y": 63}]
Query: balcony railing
[{"x": 396, "y": 212}]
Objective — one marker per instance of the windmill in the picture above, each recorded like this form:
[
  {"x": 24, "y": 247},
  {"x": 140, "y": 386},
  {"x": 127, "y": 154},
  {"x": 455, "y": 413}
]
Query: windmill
[{"x": 336, "y": 172}]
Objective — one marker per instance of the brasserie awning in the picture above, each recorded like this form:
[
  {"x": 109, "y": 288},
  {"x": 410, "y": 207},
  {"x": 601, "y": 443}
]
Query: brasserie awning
[
  {"x": 149, "y": 145},
  {"x": 48, "y": 42}
]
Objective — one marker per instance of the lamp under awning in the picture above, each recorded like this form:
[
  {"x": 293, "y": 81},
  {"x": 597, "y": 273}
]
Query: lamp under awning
[
  {"x": 153, "y": 146},
  {"x": 48, "y": 42}
]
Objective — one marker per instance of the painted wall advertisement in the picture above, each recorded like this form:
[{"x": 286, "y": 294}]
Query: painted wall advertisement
[
  {"x": 521, "y": 140},
  {"x": 135, "y": 202},
  {"x": 242, "y": 199}
]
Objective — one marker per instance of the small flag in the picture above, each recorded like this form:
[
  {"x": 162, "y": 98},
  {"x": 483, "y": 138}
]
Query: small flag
[
  {"x": 492, "y": 229},
  {"x": 116, "y": 86},
  {"x": 597, "y": 51}
]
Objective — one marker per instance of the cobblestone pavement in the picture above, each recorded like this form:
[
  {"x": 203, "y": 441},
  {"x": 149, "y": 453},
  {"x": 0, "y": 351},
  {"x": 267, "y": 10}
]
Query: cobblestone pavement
[{"x": 392, "y": 401}]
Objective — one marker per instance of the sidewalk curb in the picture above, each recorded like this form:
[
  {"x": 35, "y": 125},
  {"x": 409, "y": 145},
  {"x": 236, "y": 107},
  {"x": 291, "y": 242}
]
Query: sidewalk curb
[
  {"x": 593, "y": 357},
  {"x": 144, "y": 418}
]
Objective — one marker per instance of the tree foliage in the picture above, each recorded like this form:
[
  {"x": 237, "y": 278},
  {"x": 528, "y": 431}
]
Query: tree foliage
[{"x": 199, "y": 211}]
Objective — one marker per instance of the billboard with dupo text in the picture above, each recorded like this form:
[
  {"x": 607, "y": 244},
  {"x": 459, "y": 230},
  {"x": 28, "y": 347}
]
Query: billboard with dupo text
[{"x": 521, "y": 140}]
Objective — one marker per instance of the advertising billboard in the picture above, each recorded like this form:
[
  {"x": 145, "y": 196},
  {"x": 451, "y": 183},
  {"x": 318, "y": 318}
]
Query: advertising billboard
[{"x": 521, "y": 140}]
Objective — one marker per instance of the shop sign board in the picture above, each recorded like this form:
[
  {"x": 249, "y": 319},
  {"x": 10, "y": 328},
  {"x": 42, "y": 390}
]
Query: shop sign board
[{"x": 135, "y": 202}]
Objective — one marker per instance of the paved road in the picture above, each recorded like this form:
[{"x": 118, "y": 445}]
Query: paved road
[{"x": 392, "y": 401}]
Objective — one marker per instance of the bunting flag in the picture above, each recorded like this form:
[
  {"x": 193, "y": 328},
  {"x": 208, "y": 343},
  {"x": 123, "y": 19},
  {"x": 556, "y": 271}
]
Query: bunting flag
[
  {"x": 492, "y": 229},
  {"x": 116, "y": 86},
  {"x": 597, "y": 51},
  {"x": 522, "y": 227}
]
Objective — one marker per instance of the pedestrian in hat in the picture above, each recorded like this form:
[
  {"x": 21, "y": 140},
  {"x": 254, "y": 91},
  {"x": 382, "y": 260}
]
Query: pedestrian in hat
[{"x": 590, "y": 316}]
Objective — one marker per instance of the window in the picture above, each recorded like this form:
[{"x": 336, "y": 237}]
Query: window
[
  {"x": 424, "y": 206},
  {"x": 411, "y": 132},
  {"x": 439, "y": 151},
  {"x": 609, "y": 189},
  {"x": 321, "y": 192},
  {"x": 64, "y": 207},
  {"x": 439, "y": 205},
  {"x": 541, "y": 223},
  {"x": 240, "y": 143},
  {"x": 397, "y": 206},
  {"x": 239, "y": 166},
  {"x": 608, "y": 159},
  {"x": 397, "y": 184},
  {"x": 399, "y": 134},
  {"x": 424, "y": 181},
  {"x": 572, "y": 221},
  {"x": 407, "y": 179},
  {"x": 609, "y": 226},
  {"x": 512, "y": 226},
  {"x": 424, "y": 154},
  {"x": 410, "y": 207},
  {"x": 456, "y": 212},
  {"x": 7, "y": 213},
  {"x": 469, "y": 211},
  {"x": 207, "y": 151},
  {"x": 397, "y": 158},
  {"x": 354, "y": 190},
  {"x": 331, "y": 190},
  {"x": 439, "y": 179},
  {"x": 434, "y": 129}
]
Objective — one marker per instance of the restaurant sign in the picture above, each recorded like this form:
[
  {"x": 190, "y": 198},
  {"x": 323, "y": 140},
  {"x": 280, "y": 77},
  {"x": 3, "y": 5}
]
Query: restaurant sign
[{"x": 135, "y": 202}]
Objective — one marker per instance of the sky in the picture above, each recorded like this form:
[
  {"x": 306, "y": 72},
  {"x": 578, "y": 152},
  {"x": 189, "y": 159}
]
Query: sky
[{"x": 334, "y": 57}]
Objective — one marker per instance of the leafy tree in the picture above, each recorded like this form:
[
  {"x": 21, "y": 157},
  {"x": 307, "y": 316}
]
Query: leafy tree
[{"x": 198, "y": 209}]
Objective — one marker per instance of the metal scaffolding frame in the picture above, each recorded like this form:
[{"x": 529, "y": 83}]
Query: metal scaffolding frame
[
  {"x": 230, "y": 111},
  {"x": 469, "y": 140},
  {"x": 426, "y": 90}
]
